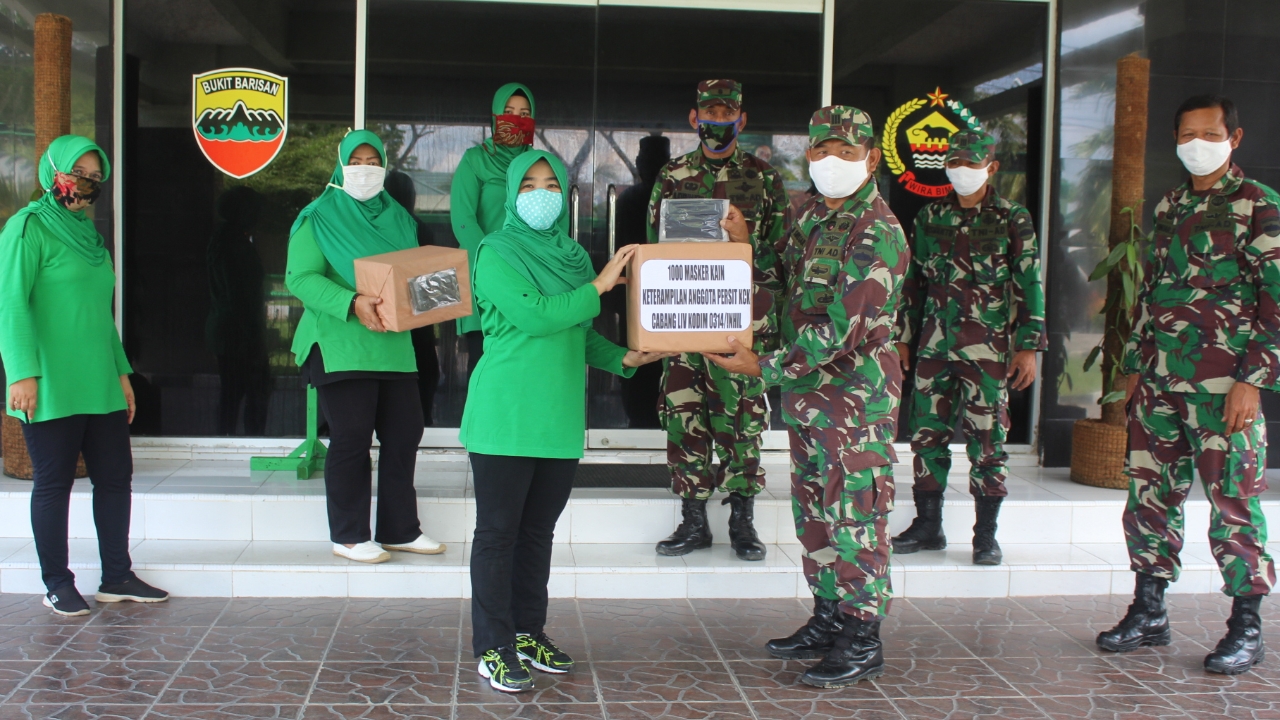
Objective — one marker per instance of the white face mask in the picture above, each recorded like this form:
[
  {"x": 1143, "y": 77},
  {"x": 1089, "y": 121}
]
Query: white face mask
[
  {"x": 1202, "y": 157},
  {"x": 362, "y": 182},
  {"x": 967, "y": 180},
  {"x": 836, "y": 177}
]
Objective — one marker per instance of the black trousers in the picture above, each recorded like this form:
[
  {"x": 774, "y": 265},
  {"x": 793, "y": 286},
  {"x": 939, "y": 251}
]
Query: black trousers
[
  {"x": 518, "y": 501},
  {"x": 475, "y": 348},
  {"x": 356, "y": 409},
  {"x": 54, "y": 446}
]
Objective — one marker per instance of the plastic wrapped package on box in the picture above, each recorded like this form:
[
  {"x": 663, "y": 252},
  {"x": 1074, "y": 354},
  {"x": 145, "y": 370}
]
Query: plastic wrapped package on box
[{"x": 692, "y": 220}]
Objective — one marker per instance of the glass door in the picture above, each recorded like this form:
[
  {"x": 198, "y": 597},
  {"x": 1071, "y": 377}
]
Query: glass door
[
  {"x": 433, "y": 69},
  {"x": 650, "y": 59}
]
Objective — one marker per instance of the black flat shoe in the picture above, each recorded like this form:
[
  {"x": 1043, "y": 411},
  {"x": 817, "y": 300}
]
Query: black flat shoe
[
  {"x": 66, "y": 601},
  {"x": 133, "y": 590}
]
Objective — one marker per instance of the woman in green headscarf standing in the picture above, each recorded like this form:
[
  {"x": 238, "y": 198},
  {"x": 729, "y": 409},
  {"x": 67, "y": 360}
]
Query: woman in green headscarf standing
[
  {"x": 478, "y": 195},
  {"x": 366, "y": 377},
  {"x": 67, "y": 373},
  {"x": 523, "y": 424}
]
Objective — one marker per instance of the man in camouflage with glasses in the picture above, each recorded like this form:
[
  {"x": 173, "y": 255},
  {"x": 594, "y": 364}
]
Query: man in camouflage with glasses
[
  {"x": 841, "y": 379},
  {"x": 974, "y": 305},
  {"x": 703, "y": 406}
]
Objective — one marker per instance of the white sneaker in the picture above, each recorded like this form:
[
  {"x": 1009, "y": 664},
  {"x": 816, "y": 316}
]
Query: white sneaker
[
  {"x": 423, "y": 546},
  {"x": 365, "y": 552}
]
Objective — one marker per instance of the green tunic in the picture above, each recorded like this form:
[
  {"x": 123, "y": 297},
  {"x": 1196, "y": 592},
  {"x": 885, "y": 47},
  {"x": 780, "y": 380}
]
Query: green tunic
[
  {"x": 327, "y": 319},
  {"x": 56, "y": 325},
  {"x": 527, "y": 396}
]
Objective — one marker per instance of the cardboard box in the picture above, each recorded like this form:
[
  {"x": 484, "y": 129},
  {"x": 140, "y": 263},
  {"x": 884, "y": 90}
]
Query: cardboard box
[
  {"x": 689, "y": 297},
  {"x": 419, "y": 286}
]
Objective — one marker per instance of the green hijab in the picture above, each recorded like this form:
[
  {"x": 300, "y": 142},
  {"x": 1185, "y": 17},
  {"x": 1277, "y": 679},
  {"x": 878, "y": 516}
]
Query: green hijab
[
  {"x": 346, "y": 228},
  {"x": 549, "y": 259},
  {"x": 495, "y": 159},
  {"x": 74, "y": 229}
]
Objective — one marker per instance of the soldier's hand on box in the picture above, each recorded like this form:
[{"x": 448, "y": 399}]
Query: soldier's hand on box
[
  {"x": 608, "y": 277},
  {"x": 742, "y": 361},
  {"x": 367, "y": 311},
  {"x": 1241, "y": 407},
  {"x": 736, "y": 225},
  {"x": 904, "y": 354},
  {"x": 1022, "y": 369},
  {"x": 635, "y": 358}
]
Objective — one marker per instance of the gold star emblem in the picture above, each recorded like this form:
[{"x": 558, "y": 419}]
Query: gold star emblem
[{"x": 937, "y": 96}]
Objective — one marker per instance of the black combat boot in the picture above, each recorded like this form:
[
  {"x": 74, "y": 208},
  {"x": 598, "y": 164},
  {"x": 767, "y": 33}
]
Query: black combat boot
[
  {"x": 857, "y": 655},
  {"x": 1242, "y": 647},
  {"x": 986, "y": 551},
  {"x": 925, "y": 532},
  {"x": 694, "y": 532},
  {"x": 742, "y": 530},
  {"x": 1146, "y": 623},
  {"x": 815, "y": 638}
]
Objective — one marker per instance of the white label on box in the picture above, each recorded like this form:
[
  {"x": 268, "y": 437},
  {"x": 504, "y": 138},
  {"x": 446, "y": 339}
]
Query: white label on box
[{"x": 695, "y": 295}]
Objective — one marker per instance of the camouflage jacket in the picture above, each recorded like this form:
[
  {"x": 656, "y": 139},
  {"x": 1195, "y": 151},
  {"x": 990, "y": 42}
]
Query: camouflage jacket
[
  {"x": 1209, "y": 309},
  {"x": 844, "y": 269},
  {"x": 974, "y": 290},
  {"x": 753, "y": 187}
]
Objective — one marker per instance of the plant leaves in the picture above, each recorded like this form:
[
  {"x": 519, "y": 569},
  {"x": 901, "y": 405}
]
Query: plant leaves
[
  {"x": 1111, "y": 397},
  {"x": 1093, "y": 356}
]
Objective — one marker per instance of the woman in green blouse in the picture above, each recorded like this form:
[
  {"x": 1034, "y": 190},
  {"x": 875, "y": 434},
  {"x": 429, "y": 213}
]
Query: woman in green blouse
[
  {"x": 478, "y": 193},
  {"x": 523, "y": 425},
  {"x": 67, "y": 373},
  {"x": 366, "y": 377}
]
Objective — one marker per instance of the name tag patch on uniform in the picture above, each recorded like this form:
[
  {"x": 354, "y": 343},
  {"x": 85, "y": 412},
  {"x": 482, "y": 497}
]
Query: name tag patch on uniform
[
  {"x": 988, "y": 246},
  {"x": 943, "y": 232},
  {"x": 993, "y": 232}
]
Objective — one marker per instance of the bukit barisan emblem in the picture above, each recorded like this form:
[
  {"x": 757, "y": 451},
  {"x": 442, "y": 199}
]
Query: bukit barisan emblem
[
  {"x": 240, "y": 117},
  {"x": 917, "y": 136}
]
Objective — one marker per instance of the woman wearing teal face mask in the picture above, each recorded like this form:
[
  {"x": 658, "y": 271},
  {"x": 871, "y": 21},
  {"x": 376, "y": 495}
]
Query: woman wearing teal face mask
[
  {"x": 523, "y": 424},
  {"x": 366, "y": 377}
]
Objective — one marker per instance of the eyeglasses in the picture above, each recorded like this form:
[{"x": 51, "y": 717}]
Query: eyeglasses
[{"x": 96, "y": 176}]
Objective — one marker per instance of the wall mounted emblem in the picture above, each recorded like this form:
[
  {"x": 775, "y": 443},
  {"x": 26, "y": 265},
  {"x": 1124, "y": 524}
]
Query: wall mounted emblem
[
  {"x": 916, "y": 139},
  {"x": 240, "y": 117}
]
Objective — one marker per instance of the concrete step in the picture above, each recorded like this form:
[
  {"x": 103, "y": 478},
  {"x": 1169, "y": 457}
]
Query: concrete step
[{"x": 214, "y": 528}]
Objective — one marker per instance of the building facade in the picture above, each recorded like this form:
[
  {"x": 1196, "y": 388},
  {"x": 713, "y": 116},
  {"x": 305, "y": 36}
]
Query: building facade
[{"x": 208, "y": 330}]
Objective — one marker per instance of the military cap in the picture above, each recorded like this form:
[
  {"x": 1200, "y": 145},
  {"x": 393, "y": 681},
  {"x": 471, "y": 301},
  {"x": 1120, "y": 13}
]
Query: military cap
[
  {"x": 971, "y": 145},
  {"x": 842, "y": 122},
  {"x": 723, "y": 92}
]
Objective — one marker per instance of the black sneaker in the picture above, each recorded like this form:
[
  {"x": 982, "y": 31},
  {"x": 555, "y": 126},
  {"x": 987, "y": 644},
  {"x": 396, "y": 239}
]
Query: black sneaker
[
  {"x": 132, "y": 589},
  {"x": 543, "y": 654},
  {"x": 505, "y": 671},
  {"x": 66, "y": 601}
]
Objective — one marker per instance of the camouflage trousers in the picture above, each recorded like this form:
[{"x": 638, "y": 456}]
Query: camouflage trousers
[
  {"x": 841, "y": 496},
  {"x": 703, "y": 406},
  {"x": 1172, "y": 436},
  {"x": 975, "y": 393}
]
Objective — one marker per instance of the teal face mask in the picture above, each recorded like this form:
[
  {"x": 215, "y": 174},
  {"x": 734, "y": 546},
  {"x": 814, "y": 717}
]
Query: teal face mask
[{"x": 539, "y": 208}]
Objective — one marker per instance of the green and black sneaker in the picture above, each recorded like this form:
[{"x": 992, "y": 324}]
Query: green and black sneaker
[
  {"x": 543, "y": 654},
  {"x": 505, "y": 671}
]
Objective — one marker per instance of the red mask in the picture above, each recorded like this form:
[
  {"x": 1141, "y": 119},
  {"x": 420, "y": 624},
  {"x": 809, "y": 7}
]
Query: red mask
[{"x": 512, "y": 130}]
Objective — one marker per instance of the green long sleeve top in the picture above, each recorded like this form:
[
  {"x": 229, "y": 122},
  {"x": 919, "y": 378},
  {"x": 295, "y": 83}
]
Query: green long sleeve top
[
  {"x": 56, "y": 326},
  {"x": 327, "y": 320},
  {"x": 476, "y": 208},
  {"x": 527, "y": 396}
]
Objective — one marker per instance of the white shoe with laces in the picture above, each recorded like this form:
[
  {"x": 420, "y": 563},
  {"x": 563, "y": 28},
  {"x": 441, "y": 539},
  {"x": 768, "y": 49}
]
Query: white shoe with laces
[
  {"x": 365, "y": 552},
  {"x": 423, "y": 546}
]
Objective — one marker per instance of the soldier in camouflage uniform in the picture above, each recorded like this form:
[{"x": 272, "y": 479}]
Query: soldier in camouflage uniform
[
  {"x": 974, "y": 305},
  {"x": 841, "y": 379},
  {"x": 1205, "y": 339},
  {"x": 702, "y": 406}
]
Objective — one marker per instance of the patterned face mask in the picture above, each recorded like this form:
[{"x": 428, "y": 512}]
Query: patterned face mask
[
  {"x": 512, "y": 130},
  {"x": 539, "y": 208},
  {"x": 68, "y": 188},
  {"x": 717, "y": 136}
]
